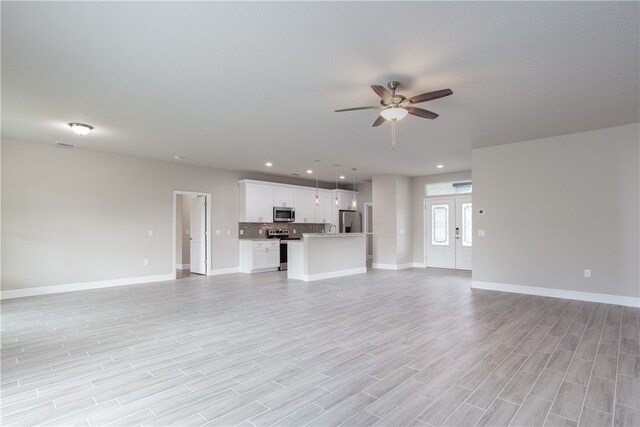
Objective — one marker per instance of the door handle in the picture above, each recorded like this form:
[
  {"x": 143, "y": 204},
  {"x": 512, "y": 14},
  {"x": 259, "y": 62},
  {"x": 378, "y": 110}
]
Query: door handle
[{"x": 457, "y": 232}]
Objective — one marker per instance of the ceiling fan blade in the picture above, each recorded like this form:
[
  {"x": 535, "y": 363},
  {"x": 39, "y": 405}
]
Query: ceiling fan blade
[
  {"x": 380, "y": 120},
  {"x": 430, "y": 96},
  {"x": 381, "y": 91},
  {"x": 358, "y": 108},
  {"x": 420, "y": 112}
]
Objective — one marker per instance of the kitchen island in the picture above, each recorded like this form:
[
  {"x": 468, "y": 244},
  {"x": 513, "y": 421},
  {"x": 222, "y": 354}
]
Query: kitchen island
[{"x": 325, "y": 255}]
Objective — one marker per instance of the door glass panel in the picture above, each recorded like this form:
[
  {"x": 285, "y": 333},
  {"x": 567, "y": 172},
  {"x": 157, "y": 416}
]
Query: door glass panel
[
  {"x": 467, "y": 231},
  {"x": 440, "y": 225}
]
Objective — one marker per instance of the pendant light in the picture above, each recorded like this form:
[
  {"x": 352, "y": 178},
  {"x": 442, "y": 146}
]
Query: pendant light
[
  {"x": 337, "y": 199},
  {"x": 354, "y": 201},
  {"x": 316, "y": 162}
]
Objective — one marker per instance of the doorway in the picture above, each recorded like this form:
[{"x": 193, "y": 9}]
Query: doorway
[
  {"x": 448, "y": 232},
  {"x": 191, "y": 236}
]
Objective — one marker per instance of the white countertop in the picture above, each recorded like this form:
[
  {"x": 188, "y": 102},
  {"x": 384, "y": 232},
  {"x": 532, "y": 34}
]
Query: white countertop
[{"x": 333, "y": 234}]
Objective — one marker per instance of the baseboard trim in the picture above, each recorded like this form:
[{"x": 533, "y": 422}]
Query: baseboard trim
[
  {"x": 183, "y": 266},
  {"x": 329, "y": 275},
  {"x": 82, "y": 286},
  {"x": 392, "y": 266},
  {"x": 220, "y": 271},
  {"x": 558, "y": 293},
  {"x": 419, "y": 265}
]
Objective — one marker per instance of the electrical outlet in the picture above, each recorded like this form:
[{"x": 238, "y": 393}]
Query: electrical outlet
[
  {"x": 481, "y": 233},
  {"x": 150, "y": 233},
  {"x": 146, "y": 261},
  {"x": 260, "y": 231},
  {"x": 294, "y": 231},
  {"x": 587, "y": 274},
  {"x": 228, "y": 232},
  {"x": 217, "y": 232},
  {"x": 242, "y": 232}
]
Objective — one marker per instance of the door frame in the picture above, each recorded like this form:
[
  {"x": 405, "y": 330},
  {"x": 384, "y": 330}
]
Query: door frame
[
  {"x": 176, "y": 193},
  {"x": 437, "y": 198},
  {"x": 365, "y": 227}
]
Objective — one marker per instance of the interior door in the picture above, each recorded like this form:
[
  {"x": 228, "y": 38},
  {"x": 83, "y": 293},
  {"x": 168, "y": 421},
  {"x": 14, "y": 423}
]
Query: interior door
[
  {"x": 198, "y": 244},
  {"x": 439, "y": 233},
  {"x": 464, "y": 233}
]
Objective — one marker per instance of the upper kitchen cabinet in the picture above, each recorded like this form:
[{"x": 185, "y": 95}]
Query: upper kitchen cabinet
[
  {"x": 256, "y": 202},
  {"x": 323, "y": 210},
  {"x": 304, "y": 202},
  {"x": 283, "y": 197},
  {"x": 344, "y": 199}
]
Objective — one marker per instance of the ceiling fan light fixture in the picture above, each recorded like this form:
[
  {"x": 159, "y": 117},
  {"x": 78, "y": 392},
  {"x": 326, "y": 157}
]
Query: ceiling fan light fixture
[
  {"x": 80, "y": 128},
  {"x": 394, "y": 113}
]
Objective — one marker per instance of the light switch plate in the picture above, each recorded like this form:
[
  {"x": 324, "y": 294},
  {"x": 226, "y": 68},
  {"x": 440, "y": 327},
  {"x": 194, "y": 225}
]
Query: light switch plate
[
  {"x": 228, "y": 232},
  {"x": 150, "y": 233},
  {"x": 146, "y": 261},
  {"x": 218, "y": 232},
  {"x": 480, "y": 233}
]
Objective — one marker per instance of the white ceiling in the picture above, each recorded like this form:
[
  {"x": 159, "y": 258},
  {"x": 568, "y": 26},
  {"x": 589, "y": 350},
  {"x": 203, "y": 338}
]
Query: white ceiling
[{"x": 232, "y": 85}]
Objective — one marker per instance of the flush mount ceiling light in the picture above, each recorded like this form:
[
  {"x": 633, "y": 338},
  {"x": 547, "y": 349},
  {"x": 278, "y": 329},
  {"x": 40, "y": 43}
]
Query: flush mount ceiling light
[
  {"x": 440, "y": 166},
  {"x": 268, "y": 164},
  {"x": 178, "y": 157},
  {"x": 342, "y": 176},
  {"x": 80, "y": 128},
  {"x": 309, "y": 171}
]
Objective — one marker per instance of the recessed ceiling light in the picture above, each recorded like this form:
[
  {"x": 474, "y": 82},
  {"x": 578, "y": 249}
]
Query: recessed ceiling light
[
  {"x": 81, "y": 128},
  {"x": 178, "y": 157},
  {"x": 341, "y": 176},
  {"x": 268, "y": 164},
  {"x": 440, "y": 166},
  {"x": 309, "y": 171}
]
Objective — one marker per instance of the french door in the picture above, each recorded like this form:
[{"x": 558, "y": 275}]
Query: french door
[{"x": 448, "y": 232}]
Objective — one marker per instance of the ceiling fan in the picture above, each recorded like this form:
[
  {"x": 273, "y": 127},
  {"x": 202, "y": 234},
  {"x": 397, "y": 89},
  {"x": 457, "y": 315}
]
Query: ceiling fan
[
  {"x": 395, "y": 107},
  {"x": 390, "y": 103}
]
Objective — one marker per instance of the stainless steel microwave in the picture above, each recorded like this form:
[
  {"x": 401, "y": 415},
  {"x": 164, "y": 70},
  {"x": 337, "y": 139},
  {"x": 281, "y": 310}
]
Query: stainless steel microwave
[{"x": 283, "y": 214}]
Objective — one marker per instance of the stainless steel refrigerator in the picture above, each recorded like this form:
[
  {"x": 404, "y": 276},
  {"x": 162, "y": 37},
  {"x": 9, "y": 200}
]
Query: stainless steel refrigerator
[{"x": 350, "y": 222}]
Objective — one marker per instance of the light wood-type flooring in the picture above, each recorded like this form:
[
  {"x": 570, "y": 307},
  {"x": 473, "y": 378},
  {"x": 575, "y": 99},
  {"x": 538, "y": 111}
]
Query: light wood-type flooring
[{"x": 414, "y": 347}]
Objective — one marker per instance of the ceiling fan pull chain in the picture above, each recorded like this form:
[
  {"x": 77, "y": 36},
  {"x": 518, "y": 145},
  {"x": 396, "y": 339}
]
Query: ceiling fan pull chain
[{"x": 393, "y": 134}]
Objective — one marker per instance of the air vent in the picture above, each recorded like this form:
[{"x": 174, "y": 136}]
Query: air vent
[{"x": 64, "y": 145}]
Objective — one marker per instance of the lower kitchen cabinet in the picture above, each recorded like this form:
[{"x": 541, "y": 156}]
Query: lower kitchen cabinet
[{"x": 257, "y": 256}]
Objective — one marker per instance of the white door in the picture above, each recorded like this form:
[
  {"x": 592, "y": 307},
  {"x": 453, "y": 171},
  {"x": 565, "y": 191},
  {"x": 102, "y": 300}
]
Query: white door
[
  {"x": 464, "y": 233},
  {"x": 198, "y": 235},
  {"x": 439, "y": 230},
  {"x": 448, "y": 233}
]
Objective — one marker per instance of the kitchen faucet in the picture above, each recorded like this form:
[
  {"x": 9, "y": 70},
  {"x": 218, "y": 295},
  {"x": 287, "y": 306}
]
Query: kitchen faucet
[{"x": 332, "y": 225}]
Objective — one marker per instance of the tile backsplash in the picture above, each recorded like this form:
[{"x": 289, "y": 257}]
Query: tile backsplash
[{"x": 251, "y": 230}]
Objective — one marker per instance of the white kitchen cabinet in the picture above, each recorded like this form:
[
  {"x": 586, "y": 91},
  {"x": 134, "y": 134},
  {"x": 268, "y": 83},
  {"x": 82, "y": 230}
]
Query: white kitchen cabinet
[
  {"x": 257, "y": 256},
  {"x": 256, "y": 202},
  {"x": 323, "y": 210},
  {"x": 344, "y": 203},
  {"x": 283, "y": 197},
  {"x": 344, "y": 198},
  {"x": 305, "y": 205}
]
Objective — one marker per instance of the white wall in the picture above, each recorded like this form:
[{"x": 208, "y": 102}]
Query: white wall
[
  {"x": 557, "y": 206},
  {"x": 418, "y": 194},
  {"x": 78, "y": 216},
  {"x": 392, "y": 221}
]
